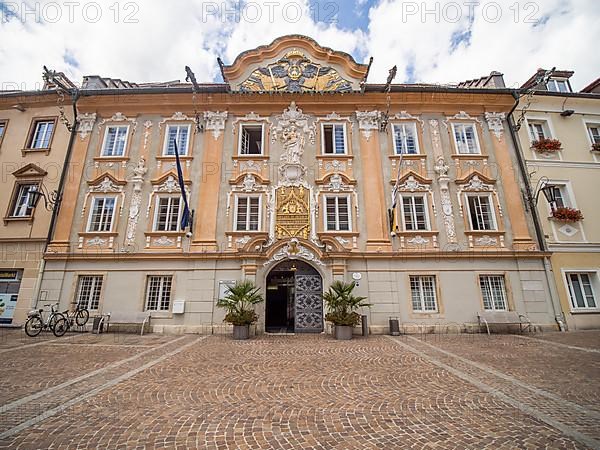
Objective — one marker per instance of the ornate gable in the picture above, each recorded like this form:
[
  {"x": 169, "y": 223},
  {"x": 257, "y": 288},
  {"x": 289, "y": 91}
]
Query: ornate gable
[
  {"x": 295, "y": 64},
  {"x": 30, "y": 171}
]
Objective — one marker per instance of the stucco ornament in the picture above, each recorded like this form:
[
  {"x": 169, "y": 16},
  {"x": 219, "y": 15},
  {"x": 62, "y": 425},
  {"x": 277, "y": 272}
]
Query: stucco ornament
[
  {"x": 136, "y": 200},
  {"x": 85, "y": 124},
  {"x": 495, "y": 123},
  {"x": 294, "y": 250},
  {"x": 418, "y": 240},
  {"x": 367, "y": 122},
  {"x": 486, "y": 241},
  {"x": 106, "y": 186},
  {"x": 441, "y": 169},
  {"x": 249, "y": 184},
  {"x": 215, "y": 122},
  {"x": 293, "y": 129}
]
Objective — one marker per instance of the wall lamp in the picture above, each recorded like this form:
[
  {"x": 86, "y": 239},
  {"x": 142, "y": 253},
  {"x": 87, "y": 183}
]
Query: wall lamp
[
  {"x": 549, "y": 191},
  {"x": 37, "y": 192}
]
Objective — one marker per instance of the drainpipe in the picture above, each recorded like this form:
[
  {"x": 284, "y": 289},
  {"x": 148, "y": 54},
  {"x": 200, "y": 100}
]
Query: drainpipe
[
  {"x": 550, "y": 280},
  {"x": 61, "y": 184}
]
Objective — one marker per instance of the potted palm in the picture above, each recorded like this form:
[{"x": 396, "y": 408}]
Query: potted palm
[
  {"x": 342, "y": 305},
  {"x": 239, "y": 303}
]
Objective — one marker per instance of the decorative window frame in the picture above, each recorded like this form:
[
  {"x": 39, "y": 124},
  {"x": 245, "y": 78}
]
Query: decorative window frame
[
  {"x": 552, "y": 135},
  {"x": 595, "y": 275},
  {"x": 568, "y": 229},
  {"x": 154, "y": 216},
  {"x": 348, "y": 198},
  {"x": 104, "y": 139},
  {"x": 251, "y": 119},
  {"x": 510, "y": 301},
  {"x": 29, "y": 138},
  {"x": 113, "y": 220},
  {"x": 334, "y": 119},
  {"x": 338, "y": 184},
  {"x": 115, "y": 120},
  {"x": 29, "y": 174},
  {"x": 259, "y": 196},
  {"x": 464, "y": 118},
  {"x": 4, "y": 122},
  {"x": 403, "y": 118},
  {"x": 178, "y": 118},
  {"x": 413, "y": 184},
  {"x": 586, "y": 123}
]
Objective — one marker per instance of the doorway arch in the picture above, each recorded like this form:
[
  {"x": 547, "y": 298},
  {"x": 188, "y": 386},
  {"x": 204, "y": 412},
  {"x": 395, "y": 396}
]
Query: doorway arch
[{"x": 294, "y": 301}]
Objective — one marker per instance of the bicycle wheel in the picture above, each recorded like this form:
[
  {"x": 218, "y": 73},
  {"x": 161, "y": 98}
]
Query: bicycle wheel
[
  {"x": 61, "y": 327},
  {"x": 33, "y": 326},
  {"x": 53, "y": 319},
  {"x": 81, "y": 317}
]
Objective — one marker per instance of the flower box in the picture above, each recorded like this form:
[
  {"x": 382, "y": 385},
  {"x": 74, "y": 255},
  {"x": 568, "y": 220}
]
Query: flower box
[
  {"x": 596, "y": 147},
  {"x": 546, "y": 145},
  {"x": 567, "y": 214}
]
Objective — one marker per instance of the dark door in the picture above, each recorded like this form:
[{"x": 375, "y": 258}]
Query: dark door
[{"x": 279, "y": 314}]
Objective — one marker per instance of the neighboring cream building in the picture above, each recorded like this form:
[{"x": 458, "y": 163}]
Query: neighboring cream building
[
  {"x": 555, "y": 112},
  {"x": 33, "y": 145},
  {"x": 289, "y": 166}
]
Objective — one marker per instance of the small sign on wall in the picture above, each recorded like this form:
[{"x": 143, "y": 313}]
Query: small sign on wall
[{"x": 224, "y": 286}]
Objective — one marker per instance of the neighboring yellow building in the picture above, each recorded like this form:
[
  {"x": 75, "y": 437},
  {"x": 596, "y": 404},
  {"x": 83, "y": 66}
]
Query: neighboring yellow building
[
  {"x": 33, "y": 145},
  {"x": 554, "y": 112}
]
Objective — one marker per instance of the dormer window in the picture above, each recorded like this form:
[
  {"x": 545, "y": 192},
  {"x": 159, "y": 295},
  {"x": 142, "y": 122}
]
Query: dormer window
[
  {"x": 251, "y": 140},
  {"x": 558, "y": 85}
]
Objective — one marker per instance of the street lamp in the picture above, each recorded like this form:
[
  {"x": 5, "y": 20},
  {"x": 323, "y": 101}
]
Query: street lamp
[
  {"x": 549, "y": 191},
  {"x": 37, "y": 192}
]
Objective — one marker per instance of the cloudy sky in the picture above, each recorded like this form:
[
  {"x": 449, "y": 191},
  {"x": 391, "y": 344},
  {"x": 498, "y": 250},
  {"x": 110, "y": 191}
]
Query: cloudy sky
[{"x": 429, "y": 41}]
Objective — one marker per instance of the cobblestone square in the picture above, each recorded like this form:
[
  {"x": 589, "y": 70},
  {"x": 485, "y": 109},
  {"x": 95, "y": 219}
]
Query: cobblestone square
[{"x": 303, "y": 391}]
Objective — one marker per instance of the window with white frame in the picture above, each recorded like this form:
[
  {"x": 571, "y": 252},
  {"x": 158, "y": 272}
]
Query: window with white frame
[
  {"x": 560, "y": 196},
  {"x": 247, "y": 217},
  {"x": 337, "y": 213},
  {"x": 581, "y": 290},
  {"x": 42, "y": 134},
  {"x": 101, "y": 214},
  {"x": 405, "y": 139},
  {"x": 89, "y": 288},
  {"x": 414, "y": 213},
  {"x": 167, "y": 214},
  {"x": 334, "y": 138},
  {"x": 493, "y": 292},
  {"x": 465, "y": 138},
  {"x": 2, "y": 129},
  {"x": 20, "y": 205},
  {"x": 593, "y": 131},
  {"x": 423, "y": 293},
  {"x": 481, "y": 212},
  {"x": 538, "y": 130},
  {"x": 115, "y": 140},
  {"x": 558, "y": 85},
  {"x": 251, "y": 139},
  {"x": 179, "y": 134},
  {"x": 158, "y": 292}
]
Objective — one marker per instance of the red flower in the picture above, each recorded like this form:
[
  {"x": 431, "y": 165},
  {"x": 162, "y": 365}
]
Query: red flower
[
  {"x": 567, "y": 214},
  {"x": 546, "y": 145},
  {"x": 596, "y": 147}
]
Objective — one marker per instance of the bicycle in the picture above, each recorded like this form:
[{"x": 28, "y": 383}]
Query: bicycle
[
  {"x": 36, "y": 323},
  {"x": 80, "y": 317}
]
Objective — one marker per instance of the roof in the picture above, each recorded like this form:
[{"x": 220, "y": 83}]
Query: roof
[
  {"x": 493, "y": 80},
  {"x": 534, "y": 80},
  {"x": 593, "y": 87}
]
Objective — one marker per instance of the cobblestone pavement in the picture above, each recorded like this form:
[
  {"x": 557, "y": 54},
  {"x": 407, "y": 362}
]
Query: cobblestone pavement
[{"x": 463, "y": 391}]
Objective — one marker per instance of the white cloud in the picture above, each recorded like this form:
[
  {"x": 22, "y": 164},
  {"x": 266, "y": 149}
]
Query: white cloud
[{"x": 170, "y": 35}]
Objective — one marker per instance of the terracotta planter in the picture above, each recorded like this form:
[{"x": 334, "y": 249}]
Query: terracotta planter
[
  {"x": 343, "y": 332},
  {"x": 241, "y": 332}
]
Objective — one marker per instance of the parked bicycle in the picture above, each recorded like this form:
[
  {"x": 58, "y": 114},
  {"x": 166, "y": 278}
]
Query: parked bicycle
[
  {"x": 36, "y": 323},
  {"x": 80, "y": 317}
]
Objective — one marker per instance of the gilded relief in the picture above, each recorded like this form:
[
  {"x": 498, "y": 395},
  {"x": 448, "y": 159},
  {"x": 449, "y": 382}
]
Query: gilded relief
[
  {"x": 295, "y": 73},
  {"x": 293, "y": 212}
]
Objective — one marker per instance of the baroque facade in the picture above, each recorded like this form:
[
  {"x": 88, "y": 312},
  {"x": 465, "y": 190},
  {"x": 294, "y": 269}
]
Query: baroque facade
[{"x": 289, "y": 167}]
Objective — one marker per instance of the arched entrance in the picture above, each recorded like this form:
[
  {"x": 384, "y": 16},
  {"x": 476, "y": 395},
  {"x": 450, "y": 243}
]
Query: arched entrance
[{"x": 294, "y": 300}]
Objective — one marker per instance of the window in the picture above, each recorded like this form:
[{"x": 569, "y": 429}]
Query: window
[
  {"x": 179, "y": 134},
  {"x": 493, "y": 292},
  {"x": 581, "y": 290},
  {"x": 334, "y": 139},
  {"x": 167, "y": 216},
  {"x": 115, "y": 140},
  {"x": 20, "y": 207},
  {"x": 481, "y": 213},
  {"x": 101, "y": 216},
  {"x": 414, "y": 213},
  {"x": 465, "y": 137},
  {"x": 158, "y": 293},
  {"x": 557, "y": 85},
  {"x": 41, "y": 135},
  {"x": 2, "y": 129},
  {"x": 251, "y": 140},
  {"x": 337, "y": 217},
  {"x": 422, "y": 288},
  {"x": 560, "y": 197},
  {"x": 88, "y": 291},
  {"x": 247, "y": 213},
  {"x": 539, "y": 129},
  {"x": 405, "y": 139},
  {"x": 593, "y": 131}
]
